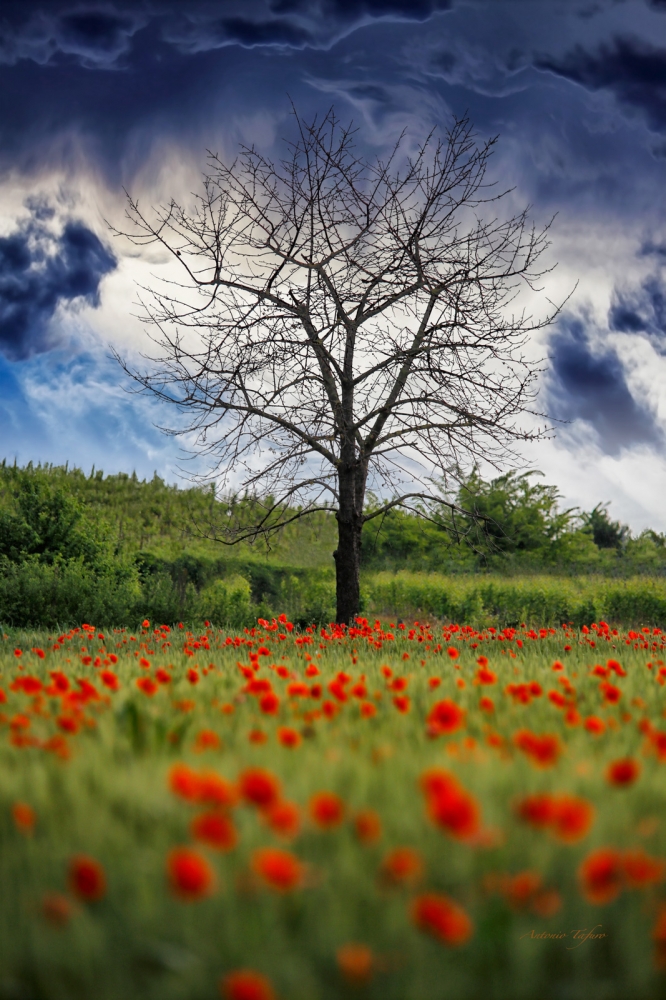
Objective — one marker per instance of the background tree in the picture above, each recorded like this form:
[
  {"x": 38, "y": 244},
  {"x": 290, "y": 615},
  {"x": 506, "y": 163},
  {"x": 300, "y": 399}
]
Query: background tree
[
  {"x": 606, "y": 534},
  {"x": 343, "y": 325}
]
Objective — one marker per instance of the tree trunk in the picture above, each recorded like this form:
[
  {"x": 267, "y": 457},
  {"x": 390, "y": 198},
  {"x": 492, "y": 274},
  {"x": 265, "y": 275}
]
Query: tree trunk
[
  {"x": 347, "y": 568},
  {"x": 348, "y": 553}
]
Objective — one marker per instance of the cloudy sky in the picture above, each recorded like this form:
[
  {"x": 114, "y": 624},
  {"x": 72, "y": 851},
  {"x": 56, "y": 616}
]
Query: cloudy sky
[{"x": 99, "y": 98}]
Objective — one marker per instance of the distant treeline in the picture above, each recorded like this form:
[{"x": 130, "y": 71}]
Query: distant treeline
[{"x": 114, "y": 549}]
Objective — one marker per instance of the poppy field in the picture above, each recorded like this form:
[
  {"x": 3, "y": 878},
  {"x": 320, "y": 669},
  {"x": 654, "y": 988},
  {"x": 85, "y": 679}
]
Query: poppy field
[{"x": 407, "y": 811}]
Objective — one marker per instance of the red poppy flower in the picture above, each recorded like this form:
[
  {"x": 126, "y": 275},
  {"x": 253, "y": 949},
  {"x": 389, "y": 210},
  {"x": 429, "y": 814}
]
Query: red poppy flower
[
  {"x": 521, "y": 889},
  {"x": 206, "y": 739},
  {"x": 147, "y": 685},
  {"x": 110, "y": 680},
  {"x": 284, "y": 819},
  {"x": 441, "y": 917},
  {"x": 356, "y": 963},
  {"x": 445, "y": 716},
  {"x": 641, "y": 870},
  {"x": 572, "y": 818},
  {"x": 269, "y": 703},
  {"x": 215, "y": 829},
  {"x": 24, "y": 817},
  {"x": 245, "y": 984},
  {"x": 190, "y": 875},
  {"x": 543, "y": 750},
  {"x": 457, "y": 813},
  {"x": 327, "y": 810},
  {"x": 485, "y": 676},
  {"x": 280, "y": 870},
  {"x": 367, "y": 826},
  {"x": 436, "y": 781},
  {"x": 623, "y": 772},
  {"x": 259, "y": 787},
  {"x": 402, "y": 866},
  {"x": 86, "y": 878},
  {"x": 367, "y": 709},
  {"x": 288, "y": 737},
  {"x": 184, "y": 782},
  {"x": 600, "y": 875}
]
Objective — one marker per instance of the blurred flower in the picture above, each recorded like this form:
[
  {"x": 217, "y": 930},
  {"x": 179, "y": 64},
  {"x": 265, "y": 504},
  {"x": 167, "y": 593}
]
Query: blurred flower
[
  {"x": 284, "y": 818},
  {"x": 215, "y": 829},
  {"x": 190, "y": 875},
  {"x": 445, "y": 717},
  {"x": 56, "y": 909},
  {"x": 24, "y": 817},
  {"x": 441, "y": 917},
  {"x": 86, "y": 878},
  {"x": 367, "y": 826},
  {"x": 281, "y": 870},
  {"x": 245, "y": 984},
  {"x": 327, "y": 810},
  {"x": 600, "y": 875},
  {"x": 288, "y": 737},
  {"x": 402, "y": 866},
  {"x": 356, "y": 963},
  {"x": 623, "y": 772},
  {"x": 259, "y": 787}
]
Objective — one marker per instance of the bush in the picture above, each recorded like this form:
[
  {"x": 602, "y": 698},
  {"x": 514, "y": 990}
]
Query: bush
[
  {"x": 226, "y": 602},
  {"x": 35, "y": 594}
]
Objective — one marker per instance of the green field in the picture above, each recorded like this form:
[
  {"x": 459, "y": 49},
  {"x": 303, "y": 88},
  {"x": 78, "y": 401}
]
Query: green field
[{"x": 475, "y": 825}]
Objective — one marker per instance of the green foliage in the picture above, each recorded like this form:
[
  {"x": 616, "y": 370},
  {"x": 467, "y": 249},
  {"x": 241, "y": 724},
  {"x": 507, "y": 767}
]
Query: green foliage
[
  {"x": 39, "y": 594},
  {"x": 511, "y": 515},
  {"x": 605, "y": 533},
  {"x": 42, "y": 520}
]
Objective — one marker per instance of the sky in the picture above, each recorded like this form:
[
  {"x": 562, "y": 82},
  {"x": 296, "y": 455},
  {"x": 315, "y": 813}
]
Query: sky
[{"x": 101, "y": 99}]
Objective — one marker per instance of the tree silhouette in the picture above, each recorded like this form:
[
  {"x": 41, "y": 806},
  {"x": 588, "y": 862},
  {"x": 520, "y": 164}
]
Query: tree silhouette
[{"x": 343, "y": 325}]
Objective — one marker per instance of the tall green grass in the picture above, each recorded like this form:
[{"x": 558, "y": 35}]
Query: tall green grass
[{"x": 544, "y": 600}]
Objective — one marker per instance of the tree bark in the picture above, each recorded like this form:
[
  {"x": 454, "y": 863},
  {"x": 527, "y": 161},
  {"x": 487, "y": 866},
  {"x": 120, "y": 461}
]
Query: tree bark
[
  {"x": 348, "y": 553},
  {"x": 347, "y": 568}
]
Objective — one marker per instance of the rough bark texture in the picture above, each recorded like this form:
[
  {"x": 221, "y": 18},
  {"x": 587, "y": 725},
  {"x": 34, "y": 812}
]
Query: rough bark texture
[{"x": 347, "y": 568}]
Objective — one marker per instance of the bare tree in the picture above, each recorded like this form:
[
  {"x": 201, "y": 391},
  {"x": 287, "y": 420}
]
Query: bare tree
[{"x": 344, "y": 325}]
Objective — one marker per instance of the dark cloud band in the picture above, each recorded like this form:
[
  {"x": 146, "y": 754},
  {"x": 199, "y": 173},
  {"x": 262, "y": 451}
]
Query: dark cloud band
[
  {"x": 592, "y": 387},
  {"x": 630, "y": 68},
  {"x": 40, "y": 270}
]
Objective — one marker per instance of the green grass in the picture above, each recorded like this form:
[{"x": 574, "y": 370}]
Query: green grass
[{"x": 106, "y": 795}]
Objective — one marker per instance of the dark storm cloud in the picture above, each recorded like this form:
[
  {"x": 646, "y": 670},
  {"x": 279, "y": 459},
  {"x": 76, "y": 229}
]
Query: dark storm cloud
[
  {"x": 633, "y": 70},
  {"x": 96, "y": 39},
  {"x": 202, "y": 35},
  {"x": 38, "y": 271},
  {"x": 641, "y": 310},
  {"x": 411, "y": 10},
  {"x": 591, "y": 386}
]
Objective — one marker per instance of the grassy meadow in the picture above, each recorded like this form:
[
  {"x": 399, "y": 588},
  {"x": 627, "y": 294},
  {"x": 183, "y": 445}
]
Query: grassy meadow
[{"x": 397, "y": 811}]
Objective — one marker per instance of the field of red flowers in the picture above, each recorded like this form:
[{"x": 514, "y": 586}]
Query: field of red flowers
[{"x": 411, "y": 812}]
